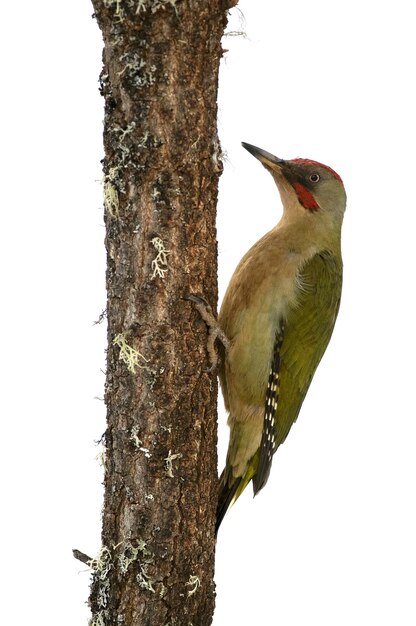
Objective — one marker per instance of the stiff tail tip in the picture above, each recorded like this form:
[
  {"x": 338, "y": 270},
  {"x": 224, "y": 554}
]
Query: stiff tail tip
[{"x": 226, "y": 497}]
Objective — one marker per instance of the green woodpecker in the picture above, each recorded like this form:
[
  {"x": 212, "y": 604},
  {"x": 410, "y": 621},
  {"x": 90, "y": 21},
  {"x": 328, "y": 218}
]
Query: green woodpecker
[{"x": 278, "y": 315}]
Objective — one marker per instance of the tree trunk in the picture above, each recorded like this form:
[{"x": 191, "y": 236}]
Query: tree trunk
[{"x": 161, "y": 169}]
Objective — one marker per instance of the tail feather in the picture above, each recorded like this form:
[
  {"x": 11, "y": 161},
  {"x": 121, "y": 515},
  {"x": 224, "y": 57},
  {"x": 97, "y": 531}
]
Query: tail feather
[
  {"x": 226, "y": 497},
  {"x": 230, "y": 490}
]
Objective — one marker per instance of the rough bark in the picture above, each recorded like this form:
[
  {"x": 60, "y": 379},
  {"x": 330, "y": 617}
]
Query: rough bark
[{"x": 161, "y": 169}]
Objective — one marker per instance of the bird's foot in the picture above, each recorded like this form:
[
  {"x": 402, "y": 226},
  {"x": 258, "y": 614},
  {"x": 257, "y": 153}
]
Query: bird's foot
[{"x": 214, "y": 329}]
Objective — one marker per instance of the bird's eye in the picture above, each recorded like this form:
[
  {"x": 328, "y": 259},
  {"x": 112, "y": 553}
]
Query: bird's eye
[{"x": 314, "y": 178}]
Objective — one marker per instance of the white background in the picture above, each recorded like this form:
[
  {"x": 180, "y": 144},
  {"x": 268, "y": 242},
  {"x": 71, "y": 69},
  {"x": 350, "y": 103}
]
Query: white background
[{"x": 331, "y": 539}]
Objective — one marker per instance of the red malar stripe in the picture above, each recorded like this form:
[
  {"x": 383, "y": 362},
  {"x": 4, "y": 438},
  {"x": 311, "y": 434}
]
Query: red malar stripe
[{"x": 305, "y": 197}]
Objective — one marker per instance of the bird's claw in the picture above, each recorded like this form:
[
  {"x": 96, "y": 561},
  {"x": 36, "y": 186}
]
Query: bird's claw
[{"x": 214, "y": 330}]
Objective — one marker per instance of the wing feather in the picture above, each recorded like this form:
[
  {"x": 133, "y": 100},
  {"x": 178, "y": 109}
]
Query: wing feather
[{"x": 268, "y": 439}]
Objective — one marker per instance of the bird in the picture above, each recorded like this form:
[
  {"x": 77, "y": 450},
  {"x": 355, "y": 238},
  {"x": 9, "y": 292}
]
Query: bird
[{"x": 277, "y": 316}]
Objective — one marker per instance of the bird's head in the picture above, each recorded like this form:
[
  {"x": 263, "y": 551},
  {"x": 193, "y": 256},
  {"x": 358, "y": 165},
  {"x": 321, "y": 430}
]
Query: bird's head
[{"x": 306, "y": 187}]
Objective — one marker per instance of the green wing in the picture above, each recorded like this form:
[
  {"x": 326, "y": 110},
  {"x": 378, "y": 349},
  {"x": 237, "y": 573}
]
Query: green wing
[{"x": 307, "y": 331}]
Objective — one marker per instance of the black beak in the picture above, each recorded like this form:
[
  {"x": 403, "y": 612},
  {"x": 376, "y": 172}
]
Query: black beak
[{"x": 264, "y": 157}]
